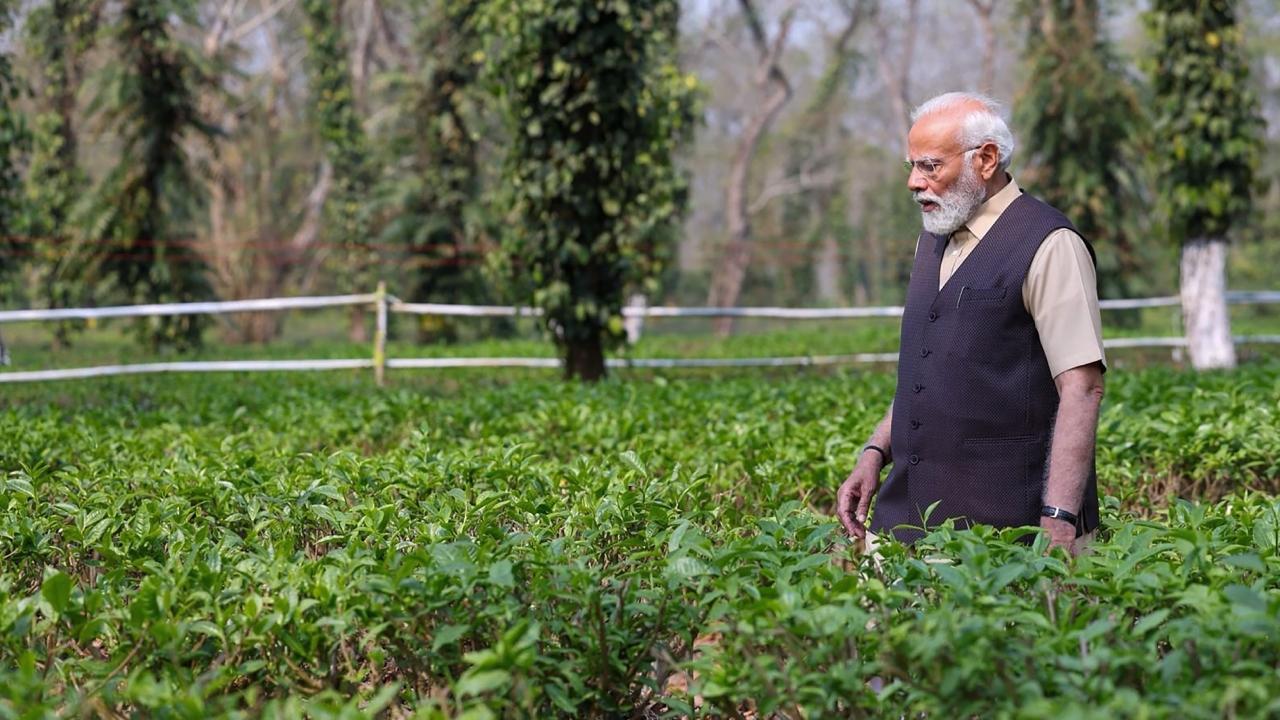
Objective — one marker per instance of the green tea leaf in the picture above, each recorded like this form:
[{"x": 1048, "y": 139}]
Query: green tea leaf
[
  {"x": 1150, "y": 622},
  {"x": 56, "y": 589},
  {"x": 482, "y": 682}
]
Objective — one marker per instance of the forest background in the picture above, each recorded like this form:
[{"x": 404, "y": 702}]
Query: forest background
[{"x": 288, "y": 147}]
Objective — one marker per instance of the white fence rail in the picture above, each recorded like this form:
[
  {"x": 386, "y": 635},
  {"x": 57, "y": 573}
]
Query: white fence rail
[
  {"x": 382, "y": 304},
  {"x": 192, "y": 308}
]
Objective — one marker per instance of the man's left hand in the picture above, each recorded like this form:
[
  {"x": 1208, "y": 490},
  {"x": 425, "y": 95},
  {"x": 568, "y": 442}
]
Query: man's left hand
[{"x": 1061, "y": 533}]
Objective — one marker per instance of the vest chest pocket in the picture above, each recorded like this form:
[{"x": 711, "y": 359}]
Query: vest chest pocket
[
  {"x": 978, "y": 296},
  {"x": 981, "y": 321}
]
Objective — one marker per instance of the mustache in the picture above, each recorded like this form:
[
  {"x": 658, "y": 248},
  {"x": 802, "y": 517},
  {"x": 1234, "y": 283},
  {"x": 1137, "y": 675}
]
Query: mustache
[{"x": 923, "y": 196}]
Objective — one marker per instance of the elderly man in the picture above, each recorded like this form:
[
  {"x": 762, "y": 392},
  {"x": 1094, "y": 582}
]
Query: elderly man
[{"x": 1001, "y": 360}]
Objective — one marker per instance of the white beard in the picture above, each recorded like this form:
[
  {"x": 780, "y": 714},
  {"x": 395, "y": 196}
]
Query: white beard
[{"x": 956, "y": 206}]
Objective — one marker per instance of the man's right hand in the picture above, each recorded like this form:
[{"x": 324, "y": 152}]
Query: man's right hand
[{"x": 853, "y": 499}]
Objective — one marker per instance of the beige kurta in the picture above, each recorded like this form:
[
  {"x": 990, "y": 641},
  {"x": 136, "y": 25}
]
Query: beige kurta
[{"x": 1060, "y": 292}]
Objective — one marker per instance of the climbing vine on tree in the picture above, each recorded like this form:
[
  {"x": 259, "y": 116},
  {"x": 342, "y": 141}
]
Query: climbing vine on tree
[
  {"x": 596, "y": 107},
  {"x": 1207, "y": 139},
  {"x": 58, "y": 37},
  {"x": 345, "y": 145},
  {"x": 1082, "y": 122},
  {"x": 13, "y": 142},
  {"x": 141, "y": 223}
]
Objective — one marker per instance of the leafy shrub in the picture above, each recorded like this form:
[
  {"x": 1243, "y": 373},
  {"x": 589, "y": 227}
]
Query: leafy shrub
[{"x": 308, "y": 546}]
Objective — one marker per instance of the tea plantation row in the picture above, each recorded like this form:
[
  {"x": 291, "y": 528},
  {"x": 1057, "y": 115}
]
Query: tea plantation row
[{"x": 308, "y": 546}]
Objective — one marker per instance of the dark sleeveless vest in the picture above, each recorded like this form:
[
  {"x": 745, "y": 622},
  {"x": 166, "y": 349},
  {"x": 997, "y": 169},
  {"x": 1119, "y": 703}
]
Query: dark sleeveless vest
[{"x": 975, "y": 404}]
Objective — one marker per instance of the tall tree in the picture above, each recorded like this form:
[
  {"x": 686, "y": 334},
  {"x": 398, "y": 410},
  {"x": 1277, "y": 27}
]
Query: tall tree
[
  {"x": 815, "y": 149},
  {"x": 58, "y": 35},
  {"x": 13, "y": 143},
  {"x": 252, "y": 248},
  {"x": 144, "y": 211},
  {"x": 1208, "y": 139},
  {"x": 1081, "y": 120},
  {"x": 769, "y": 77},
  {"x": 985, "y": 11},
  {"x": 897, "y": 73},
  {"x": 596, "y": 107},
  {"x": 434, "y": 200},
  {"x": 346, "y": 147}
]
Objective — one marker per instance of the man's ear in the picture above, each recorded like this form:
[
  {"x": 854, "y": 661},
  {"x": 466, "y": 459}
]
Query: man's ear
[{"x": 988, "y": 161}]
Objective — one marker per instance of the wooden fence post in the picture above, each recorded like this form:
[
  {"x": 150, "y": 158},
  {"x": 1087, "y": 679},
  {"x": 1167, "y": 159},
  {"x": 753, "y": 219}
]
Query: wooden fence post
[{"x": 380, "y": 335}]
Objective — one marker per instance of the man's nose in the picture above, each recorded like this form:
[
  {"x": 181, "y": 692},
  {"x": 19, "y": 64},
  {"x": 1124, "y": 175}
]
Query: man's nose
[{"x": 916, "y": 181}]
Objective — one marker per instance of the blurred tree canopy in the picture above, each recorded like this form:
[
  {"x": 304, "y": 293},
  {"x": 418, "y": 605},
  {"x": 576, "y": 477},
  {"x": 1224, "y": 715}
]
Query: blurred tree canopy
[
  {"x": 434, "y": 202},
  {"x": 1208, "y": 139},
  {"x": 143, "y": 212},
  {"x": 1207, "y": 125},
  {"x": 13, "y": 139},
  {"x": 1082, "y": 127},
  {"x": 595, "y": 107}
]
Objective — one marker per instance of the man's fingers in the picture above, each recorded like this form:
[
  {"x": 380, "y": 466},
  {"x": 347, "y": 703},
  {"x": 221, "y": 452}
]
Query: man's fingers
[
  {"x": 864, "y": 505},
  {"x": 844, "y": 509}
]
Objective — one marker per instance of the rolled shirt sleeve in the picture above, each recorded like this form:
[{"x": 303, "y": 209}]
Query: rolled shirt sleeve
[{"x": 1061, "y": 294}]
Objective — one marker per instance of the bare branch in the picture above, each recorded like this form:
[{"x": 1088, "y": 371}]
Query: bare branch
[
  {"x": 857, "y": 13},
  {"x": 793, "y": 186},
  {"x": 309, "y": 230},
  {"x": 247, "y": 28},
  {"x": 755, "y": 26},
  {"x": 726, "y": 282},
  {"x": 361, "y": 51},
  {"x": 896, "y": 75},
  {"x": 398, "y": 51},
  {"x": 780, "y": 40},
  {"x": 213, "y": 40},
  {"x": 984, "y": 11}
]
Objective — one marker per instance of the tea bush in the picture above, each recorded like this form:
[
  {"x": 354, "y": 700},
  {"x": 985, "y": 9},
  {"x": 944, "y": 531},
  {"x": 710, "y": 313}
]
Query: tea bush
[{"x": 656, "y": 546}]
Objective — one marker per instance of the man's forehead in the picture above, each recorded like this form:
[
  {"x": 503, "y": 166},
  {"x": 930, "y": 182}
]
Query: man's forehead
[{"x": 936, "y": 133}]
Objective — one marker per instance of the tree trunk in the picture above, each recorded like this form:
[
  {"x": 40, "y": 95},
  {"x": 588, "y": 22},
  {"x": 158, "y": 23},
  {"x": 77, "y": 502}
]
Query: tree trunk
[
  {"x": 584, "y": 360},
  {"x": 984, "y": 11},
  {"x": 358, "y": 328},
  {"x": 897, "y": 76},
  {"x": 826, "y": 270},
  {"x": 727, "y": 277},
  {"x": 259, "y": 328},
  {"x": 1204, "y": 304}
]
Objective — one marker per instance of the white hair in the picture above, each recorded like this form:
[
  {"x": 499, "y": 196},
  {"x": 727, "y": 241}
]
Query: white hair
[{"x": 978, "y": 127}]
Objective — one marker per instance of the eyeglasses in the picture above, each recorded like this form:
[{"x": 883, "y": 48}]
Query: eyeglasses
[{"x": 929, "y": 167}]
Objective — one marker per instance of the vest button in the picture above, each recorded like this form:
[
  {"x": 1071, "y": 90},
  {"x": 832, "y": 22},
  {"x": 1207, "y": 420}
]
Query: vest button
[
  {"x": 915, "y": 424},
  {"x": 918, "y": 387},
  {"x": 932, "y": 316},
  {"x": 924, "y": 352},
  {"x": 914, "y": 459}
]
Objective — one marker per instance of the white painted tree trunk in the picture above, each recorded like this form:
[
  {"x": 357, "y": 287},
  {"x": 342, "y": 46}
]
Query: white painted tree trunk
[
  {"x": 1204, "y": 304},
  {"x": 634, "y": 325},
  {"x": 826, "y": 271}
]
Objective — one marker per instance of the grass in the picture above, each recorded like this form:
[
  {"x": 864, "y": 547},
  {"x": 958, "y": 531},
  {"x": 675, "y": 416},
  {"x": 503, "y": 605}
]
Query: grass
[{"x": 321, "y": 334}]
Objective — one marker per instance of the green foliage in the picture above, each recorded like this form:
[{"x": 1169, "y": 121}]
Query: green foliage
[
  {"x": 58, "y": 35},
  {"x": 146, "y": 206},
  {"x": 13, "y": 143},
  {"x": 293, "y": 544},
  {"x": 344, "y": 140},
  {"x": 596, "y": 107},
  {"x": 1083, "y": 123},
  {"x": 1207, "y": 128},
  {"x": 434, "y": 199}
]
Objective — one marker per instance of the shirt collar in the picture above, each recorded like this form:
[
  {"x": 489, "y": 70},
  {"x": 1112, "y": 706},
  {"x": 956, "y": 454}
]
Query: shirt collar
[{"x": 990, "y": 211}]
